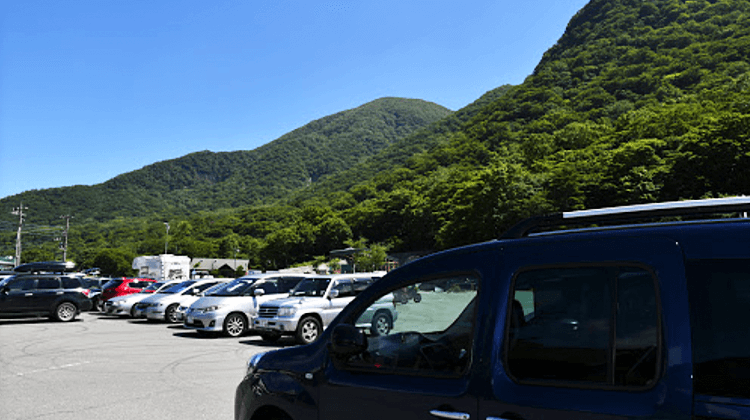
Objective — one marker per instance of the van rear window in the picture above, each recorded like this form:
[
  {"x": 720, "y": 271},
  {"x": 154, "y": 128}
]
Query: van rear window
[{"x": 719, "y": 293}]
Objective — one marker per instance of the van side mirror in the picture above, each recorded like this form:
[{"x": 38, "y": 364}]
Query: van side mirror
[
  {"x": 333, "y": 294},
  {"x": 259, "y": 292},
  {"x": 347, "y": 340}
]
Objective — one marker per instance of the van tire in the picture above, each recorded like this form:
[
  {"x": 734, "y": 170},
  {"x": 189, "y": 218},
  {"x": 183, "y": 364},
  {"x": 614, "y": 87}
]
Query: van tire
[{"x": 235, "y": 325}]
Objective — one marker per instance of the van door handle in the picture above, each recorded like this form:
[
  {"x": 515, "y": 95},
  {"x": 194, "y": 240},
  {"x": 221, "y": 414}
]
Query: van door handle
[{"x": 451, "y": 415}]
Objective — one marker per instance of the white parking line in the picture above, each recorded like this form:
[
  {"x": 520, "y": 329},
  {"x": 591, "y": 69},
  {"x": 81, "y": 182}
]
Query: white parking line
[{"x": 69, "y": 365}]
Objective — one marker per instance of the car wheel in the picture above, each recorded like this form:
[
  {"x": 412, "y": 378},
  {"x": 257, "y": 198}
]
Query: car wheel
[
  {"x": 381, "y": 324},
  {"x": 169, "y": 313},
  {"x": 65, "y": 312},
  {"x": 308, "y": 330},
  {"x": 96, "y": 305},
  {"x": 234, "y": 325},
  {"x": 270, "y": 337},
  {"x": 132, "y": 311}
]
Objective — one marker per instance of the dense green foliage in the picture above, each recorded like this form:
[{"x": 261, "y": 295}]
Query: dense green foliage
[
  {"x": 639, "y": 101},
  {"x": 211, "y": 181}
]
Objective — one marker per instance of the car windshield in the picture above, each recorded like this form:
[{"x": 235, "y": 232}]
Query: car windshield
[
  {"x": 152, "y": 287},
  {"x": 177, "y": 288},
  {"x": 112, "y": 284},
  {"x": 311, "y": 287},
  {"x": 91, "y": 283},
  {"x": 234, "y": 288}
]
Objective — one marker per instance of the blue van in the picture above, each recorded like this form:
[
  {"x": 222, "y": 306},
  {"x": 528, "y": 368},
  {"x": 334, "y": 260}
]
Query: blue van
[{"x": 610, "y": 320}]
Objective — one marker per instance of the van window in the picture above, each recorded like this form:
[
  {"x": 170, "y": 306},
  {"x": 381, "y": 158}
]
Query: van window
[
  {"x": 585, "y": 326},
  {"x": 719, "y": 293},
  {"x": 424, "y": 328}
]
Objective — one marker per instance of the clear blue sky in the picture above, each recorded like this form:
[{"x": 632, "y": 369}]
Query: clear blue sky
[{"x": 93, "y": 89}]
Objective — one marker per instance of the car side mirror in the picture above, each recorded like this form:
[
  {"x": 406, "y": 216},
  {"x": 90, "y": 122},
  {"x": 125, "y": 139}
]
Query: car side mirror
[
  {"x": 259, "y": 292},
  {"x": 334, "y": 294},
  {"x": 347, "y": 340}
]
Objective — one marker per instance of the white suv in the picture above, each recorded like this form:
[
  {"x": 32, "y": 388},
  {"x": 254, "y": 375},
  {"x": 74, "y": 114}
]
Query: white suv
[
  {"x": 230, "y": 308},
  {"x": 313, "y": 304}
]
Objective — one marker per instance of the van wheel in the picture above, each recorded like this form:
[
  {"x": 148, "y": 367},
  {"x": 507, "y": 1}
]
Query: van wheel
[
  {"x": 169, "y": 315},
  {"x": 65, "y": 312},
  {"x": 308, "y": 330},
  {"x": 381, "y": 324},
  {"x": 234, "y": 325}
]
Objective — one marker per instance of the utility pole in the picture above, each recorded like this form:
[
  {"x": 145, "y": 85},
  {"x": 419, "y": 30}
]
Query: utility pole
[
  {"x": 64, "y": 245},
  {"x": 166, "y": 238},
  {"x": 19, "y": 212}
]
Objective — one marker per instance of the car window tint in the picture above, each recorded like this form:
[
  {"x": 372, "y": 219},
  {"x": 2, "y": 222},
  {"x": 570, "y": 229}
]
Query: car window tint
[
  {"x": 719, "y": 293},
  {"x": 427, "y": 332},
  {"x": 20, "y": 284},
  {"x": 46, "y": 283},
  {"x": 204, "y": 286},
  {"x": 71, "y": 283},
  {"x": 561, "y": 324},
  {"x": 344, "y": 287}
]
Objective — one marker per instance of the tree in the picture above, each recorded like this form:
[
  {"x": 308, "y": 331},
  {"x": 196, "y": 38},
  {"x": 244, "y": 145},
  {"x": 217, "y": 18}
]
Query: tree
[{"x": 115, "y": 262}]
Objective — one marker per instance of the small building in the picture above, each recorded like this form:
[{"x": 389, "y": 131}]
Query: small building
[{"x": 227, "y": 267}]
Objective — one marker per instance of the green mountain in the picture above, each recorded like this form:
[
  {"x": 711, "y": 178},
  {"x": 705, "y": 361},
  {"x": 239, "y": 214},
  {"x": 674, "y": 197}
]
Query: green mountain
[
  {"x": 639, "y": 101},
  {"x": 206, "y": 181}
]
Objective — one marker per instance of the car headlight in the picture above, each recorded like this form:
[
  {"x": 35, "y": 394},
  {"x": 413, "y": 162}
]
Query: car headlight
[
  {"x": 287, "y": 311},
  {"x": 252, "y": 364},
  {"x": 213, "y": 308}
]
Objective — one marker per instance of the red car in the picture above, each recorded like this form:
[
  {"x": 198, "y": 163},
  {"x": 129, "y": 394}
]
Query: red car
[{"x": 124, "y": 286}]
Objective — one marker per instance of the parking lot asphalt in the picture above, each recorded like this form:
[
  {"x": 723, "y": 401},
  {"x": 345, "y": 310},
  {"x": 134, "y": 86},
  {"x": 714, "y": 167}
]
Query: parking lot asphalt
[{"x": 108, "y": 368}]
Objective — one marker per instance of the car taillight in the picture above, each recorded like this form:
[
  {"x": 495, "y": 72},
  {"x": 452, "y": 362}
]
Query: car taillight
[{"x": 86, "y": 292}]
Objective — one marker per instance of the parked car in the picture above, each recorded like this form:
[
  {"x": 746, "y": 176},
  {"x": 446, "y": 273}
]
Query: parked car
[
  {"x": 95, "y": 286},
  {"x": 556, "y": 319},
  {"x": 231, "y": 308},
  {"x": 125, "y": 305},
  {"x": 310, "y": 307},
  {"x": 185, "y": 302},
  {"x": 44, "y": 289},
  {"x": 124, "y": 286},
  {"x": 161, "y": 306}
]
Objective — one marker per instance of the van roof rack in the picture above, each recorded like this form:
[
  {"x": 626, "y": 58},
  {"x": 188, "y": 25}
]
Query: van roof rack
[{"x": 630, "y": 213}]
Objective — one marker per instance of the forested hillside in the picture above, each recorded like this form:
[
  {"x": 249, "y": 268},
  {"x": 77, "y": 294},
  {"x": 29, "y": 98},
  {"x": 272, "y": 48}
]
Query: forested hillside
[
  {"x": 639, "y": 101},
  {"x": 206, "y": 180}
]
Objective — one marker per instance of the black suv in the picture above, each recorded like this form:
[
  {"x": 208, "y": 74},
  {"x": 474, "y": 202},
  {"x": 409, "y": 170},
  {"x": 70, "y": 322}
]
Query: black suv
[{"x": 44, "y": 289}]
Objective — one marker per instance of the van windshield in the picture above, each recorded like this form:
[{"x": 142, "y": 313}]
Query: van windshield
[{"x": 311, "y": 287}]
